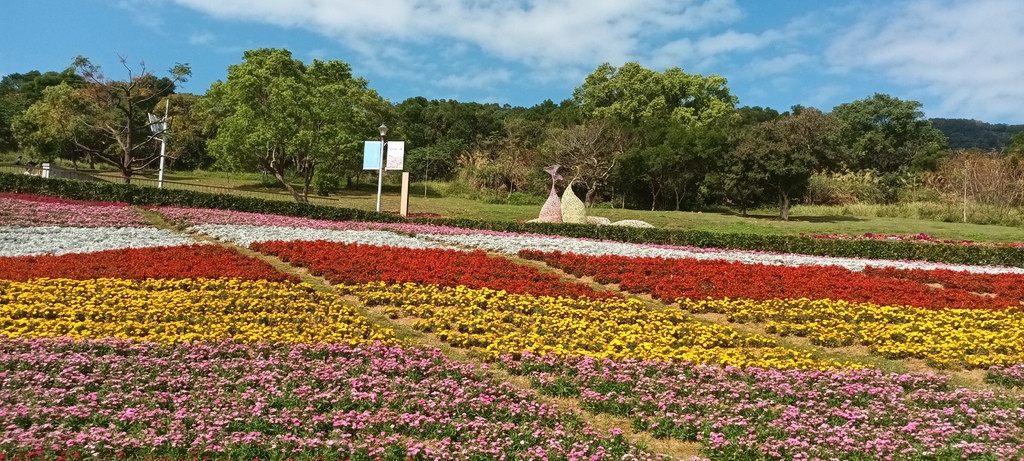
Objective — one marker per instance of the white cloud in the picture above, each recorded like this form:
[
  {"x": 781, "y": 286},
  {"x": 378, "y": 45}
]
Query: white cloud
[
  {"x": 476, "y": 79},
  {"x": 201, "y": 38},
  {"x": 965, "y": 53},
  {"x": 703, "y": 51},
  {"x": 779, "y": 64},
  {"x": 549, "y": 37}
]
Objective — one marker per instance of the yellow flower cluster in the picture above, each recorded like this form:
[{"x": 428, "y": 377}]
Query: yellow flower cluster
[
  {"x": 173, "y": 311},
  {"x": 495, "y": 323},
  {"x": 946, "y": 338}
]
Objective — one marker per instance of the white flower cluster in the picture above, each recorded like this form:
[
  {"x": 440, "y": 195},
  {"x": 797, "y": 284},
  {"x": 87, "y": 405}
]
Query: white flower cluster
[
  {"x": 30, "y": 241},
  {"x": 244, "y": 235},
  {"x": 511, "y": 244}
]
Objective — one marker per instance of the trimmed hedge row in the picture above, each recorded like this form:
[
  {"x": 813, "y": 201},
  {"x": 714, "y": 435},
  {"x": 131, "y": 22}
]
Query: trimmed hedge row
[
  {"x": 875, "y": 249},
  {"x": 143, "y": 195}
]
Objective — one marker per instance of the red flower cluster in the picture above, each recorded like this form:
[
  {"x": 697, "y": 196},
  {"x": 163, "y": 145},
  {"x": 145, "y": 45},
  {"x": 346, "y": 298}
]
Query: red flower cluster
[
  {"x": 1003, "y": 285},
  {"x": 344, "y": 263},
  {"x": 177, "y": 262},
  {"x": 669, "y": 279}
]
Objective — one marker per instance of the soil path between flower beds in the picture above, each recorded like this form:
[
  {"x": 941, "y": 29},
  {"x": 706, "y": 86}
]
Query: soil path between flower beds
[{"x": 404, "y": 331}]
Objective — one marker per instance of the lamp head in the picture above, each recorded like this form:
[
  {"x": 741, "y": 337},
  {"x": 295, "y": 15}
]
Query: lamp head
[{"x": 383, "y": 129}]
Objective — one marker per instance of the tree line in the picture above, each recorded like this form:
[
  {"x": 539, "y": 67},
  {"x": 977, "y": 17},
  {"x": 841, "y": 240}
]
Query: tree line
[{"x": 628, "y": 135}]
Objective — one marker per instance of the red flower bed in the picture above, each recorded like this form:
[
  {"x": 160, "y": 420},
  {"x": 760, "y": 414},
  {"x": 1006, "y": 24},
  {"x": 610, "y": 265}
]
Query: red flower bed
[
  {"x": 344, "y": 263},
  {"x": 177, "y": 262},
  {"x": 1004, "y": 285},
  {"x": 669, "y": 279}
]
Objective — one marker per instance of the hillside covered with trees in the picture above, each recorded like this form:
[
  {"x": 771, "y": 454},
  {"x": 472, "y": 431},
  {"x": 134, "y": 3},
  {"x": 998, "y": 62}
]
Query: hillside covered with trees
[{"x": 973, "y": 134}]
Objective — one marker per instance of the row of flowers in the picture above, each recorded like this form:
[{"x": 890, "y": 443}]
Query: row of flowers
[
  {"x": 1005, "y": 285},
  {"x": 493, "y": 323},
  {"x": 670, "y": 279},
  {"x": 946, "y": 338},
  {"x": 1008, "y": 376},
  {"x": 35, "y": 210},
  {"x": 27, "y": 241},
  {"x": 275, "y": 401},
  {"x": 919, "y": 237},
  {"x": 181, "y": 310},
  {"x": 353, "y": 263},
  {"x": 245, "y": 228},
  {"x": 175, "y": 262},
  {"x": 514, "y": 243},
  {"x": 759, "y": 414}
]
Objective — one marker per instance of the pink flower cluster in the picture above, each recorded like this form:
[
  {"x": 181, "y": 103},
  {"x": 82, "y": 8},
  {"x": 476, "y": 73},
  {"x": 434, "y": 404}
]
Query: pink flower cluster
[
  {"x": 105, "y": 399},
  {"x": 196, "y": 216},
  {"x": 31, "y": 210},
  {"x": 919, "y": 237},
  {"x": 758, "y": 414},
  {"x": 1009, "y": 376}
]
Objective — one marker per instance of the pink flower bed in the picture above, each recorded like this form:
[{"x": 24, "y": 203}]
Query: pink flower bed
[
  {"x": 34, "y": 210},
  {"x": 920, "y": 237},
  {"x": 196, "y": 216}
]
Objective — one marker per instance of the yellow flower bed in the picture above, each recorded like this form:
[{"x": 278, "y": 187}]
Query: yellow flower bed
[
  {"x": 495, "y": 323},
  {"x": 946, "y": 338},
  {"x": 173, "y": 311}
]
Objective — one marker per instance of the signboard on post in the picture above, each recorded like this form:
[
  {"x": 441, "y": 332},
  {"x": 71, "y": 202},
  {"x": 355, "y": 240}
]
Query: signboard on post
[{"x": 395, "y": 156}]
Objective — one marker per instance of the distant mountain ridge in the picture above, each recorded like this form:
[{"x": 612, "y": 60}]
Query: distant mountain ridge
[{"x": 967, "y": 133}]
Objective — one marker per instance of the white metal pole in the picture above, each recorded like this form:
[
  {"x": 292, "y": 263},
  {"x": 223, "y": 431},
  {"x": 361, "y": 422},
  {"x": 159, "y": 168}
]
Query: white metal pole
[
  {"x": 163, "y": 145},
  {"x": 380, "y": 171}
]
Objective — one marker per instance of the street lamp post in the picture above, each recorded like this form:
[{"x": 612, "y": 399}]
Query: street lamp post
[
  {"x": 160, "y": 126},
  {"x": 380, "y": 171}
]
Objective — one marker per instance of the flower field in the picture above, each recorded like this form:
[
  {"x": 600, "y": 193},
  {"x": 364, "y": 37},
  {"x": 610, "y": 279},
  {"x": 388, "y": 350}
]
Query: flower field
[
  {"x": 756, "y": 413},
  {"x": 227, "y": 400},
  {"x": 496, "y": 323},
  {"x": 892, "y": 311},
  {"x": 122, "y": 340}
]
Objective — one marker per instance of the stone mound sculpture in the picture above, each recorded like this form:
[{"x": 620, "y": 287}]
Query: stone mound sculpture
[
  {"x": 573, "y": 209},
  {"x": 570, "y": 209},
  {"x": 552, "y": 209}
]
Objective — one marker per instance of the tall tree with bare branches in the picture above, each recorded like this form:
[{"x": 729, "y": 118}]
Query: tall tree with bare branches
[
  {"x": 106, "y": 118},
  {"x": 588, "y": 152}
]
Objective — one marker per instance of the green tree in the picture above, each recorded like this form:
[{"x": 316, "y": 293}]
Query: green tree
[
  {"x": 632, "y": 93},
  {"x": 187, "y": 138},
  {"x": 19, "y": 91},
  {"x": 105, "y": 119},
  {"x": 277, "y": 114},
  {"x": 50, "y": 128},
  {"x": 693, "y": 152},
  {"x": 887, "y": 134},
  {"x": 437, "y": 161},
  {"x": 1016, "y": 145},
  {"x": 782, "y": 154}
]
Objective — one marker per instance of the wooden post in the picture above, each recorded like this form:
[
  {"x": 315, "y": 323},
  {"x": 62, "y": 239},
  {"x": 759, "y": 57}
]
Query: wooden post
[{"x": 403, "y": 209}]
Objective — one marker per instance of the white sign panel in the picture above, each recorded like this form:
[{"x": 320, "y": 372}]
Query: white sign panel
[{"x": 396, "y": 155}]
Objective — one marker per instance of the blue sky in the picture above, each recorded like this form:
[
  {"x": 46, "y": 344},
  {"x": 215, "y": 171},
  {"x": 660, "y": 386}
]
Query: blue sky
[{"x": 960, "y": 58}]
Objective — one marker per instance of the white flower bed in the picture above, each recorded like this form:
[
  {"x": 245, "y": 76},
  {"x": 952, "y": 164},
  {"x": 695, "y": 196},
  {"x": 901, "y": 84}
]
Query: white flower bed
[
  {"x": 244, "y": 235},
  {"x": 511, "y": 244},
  {"x": 30, "y": 241}
]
